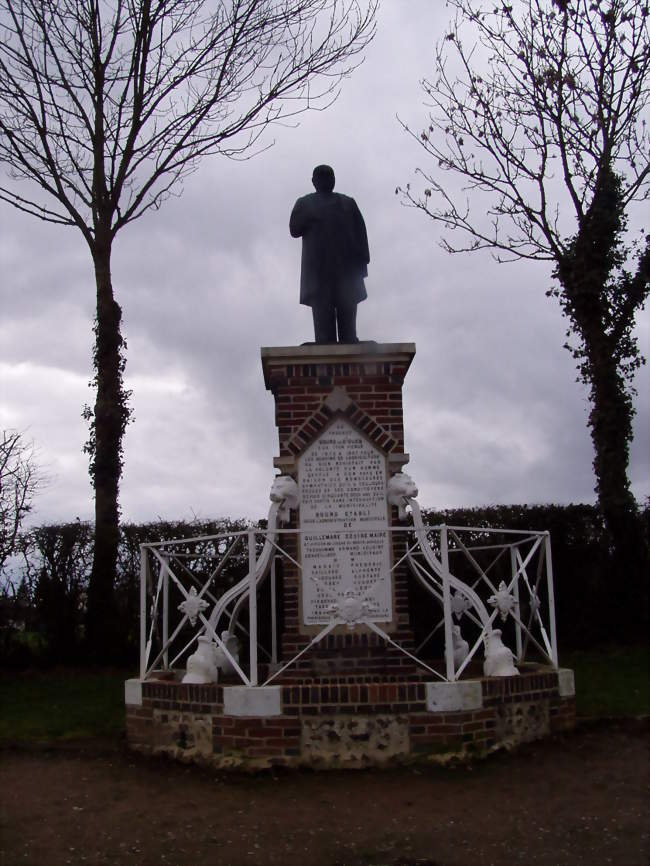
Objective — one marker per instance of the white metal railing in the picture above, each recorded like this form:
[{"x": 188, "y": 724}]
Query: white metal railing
[
  {"x": 474, "y": 574},
  {"x": 527, "y": 550}
]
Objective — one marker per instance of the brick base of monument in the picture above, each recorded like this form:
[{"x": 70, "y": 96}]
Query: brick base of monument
[
  {"x": 348, "y": 721},
  {"x": 353, "y": 699}
]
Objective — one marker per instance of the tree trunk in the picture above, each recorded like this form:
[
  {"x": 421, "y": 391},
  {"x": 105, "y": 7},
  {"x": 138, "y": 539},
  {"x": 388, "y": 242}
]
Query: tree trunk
[
  {"x": 587, "y": 274},
  {"x": 610, "y": 422},
  {"x": 107, "y": 428}
]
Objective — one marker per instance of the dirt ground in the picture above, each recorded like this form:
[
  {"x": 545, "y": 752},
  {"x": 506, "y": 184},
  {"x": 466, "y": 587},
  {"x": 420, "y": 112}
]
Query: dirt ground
[{"x": 577, "y": 799}]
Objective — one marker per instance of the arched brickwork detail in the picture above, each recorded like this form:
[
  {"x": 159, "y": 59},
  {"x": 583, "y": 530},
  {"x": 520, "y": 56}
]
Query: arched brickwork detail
[{"x": 359, "y": 419}]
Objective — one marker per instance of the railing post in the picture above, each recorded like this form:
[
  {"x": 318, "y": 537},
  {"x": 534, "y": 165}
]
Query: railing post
[
  {"x": 551, "y": 596},
  {"x": 165, "y": 623},
  {"x": 144, "y": 574},
  {"x": 252, "y": 607},
  {"x": 446, "y": 603},
  {"x": 274, "y": 616},
  {"x": 515, "y": 589}
]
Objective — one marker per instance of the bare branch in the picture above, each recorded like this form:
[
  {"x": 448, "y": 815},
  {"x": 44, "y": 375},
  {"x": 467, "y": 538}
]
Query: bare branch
[
  {"x": 541, "y": 130},
  {"x": 540, "y": 95},
  {"x": 107, "y": 105},
  {"x": 19, "y": 479}
]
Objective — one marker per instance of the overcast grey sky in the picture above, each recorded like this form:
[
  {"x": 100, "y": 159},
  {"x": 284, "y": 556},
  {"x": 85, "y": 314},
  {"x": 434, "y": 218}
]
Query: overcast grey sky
[{"x": 491, "y": 407}]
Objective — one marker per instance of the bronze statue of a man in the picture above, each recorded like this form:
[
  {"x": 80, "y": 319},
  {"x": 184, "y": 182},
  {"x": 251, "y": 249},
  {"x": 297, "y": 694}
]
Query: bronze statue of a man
[{"x": 335, "y": 258}]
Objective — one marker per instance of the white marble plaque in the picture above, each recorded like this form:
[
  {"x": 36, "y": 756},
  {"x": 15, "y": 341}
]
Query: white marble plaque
[{"x": 344, "y": 516}]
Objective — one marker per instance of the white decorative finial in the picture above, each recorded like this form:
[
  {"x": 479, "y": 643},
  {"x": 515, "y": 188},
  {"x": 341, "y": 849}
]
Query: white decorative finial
[
  {"x": 459, "y": 604},
  {"x": 192, "y": 606},
  {"x": 503, "y": 600}
]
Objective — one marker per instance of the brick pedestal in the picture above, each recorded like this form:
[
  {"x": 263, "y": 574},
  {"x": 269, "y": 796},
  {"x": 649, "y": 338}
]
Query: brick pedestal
[{"x": 312, "y": 385}]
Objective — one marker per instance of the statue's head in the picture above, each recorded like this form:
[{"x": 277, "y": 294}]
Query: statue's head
[{"x": 323, "y": 178}]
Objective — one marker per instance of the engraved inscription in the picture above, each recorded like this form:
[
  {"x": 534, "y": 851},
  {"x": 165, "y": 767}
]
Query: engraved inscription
[{"x": 342, "y": 480}]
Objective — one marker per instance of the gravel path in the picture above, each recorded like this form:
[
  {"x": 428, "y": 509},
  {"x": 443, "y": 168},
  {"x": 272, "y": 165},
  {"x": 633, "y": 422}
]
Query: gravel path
[{"x": 573, "y": 800}]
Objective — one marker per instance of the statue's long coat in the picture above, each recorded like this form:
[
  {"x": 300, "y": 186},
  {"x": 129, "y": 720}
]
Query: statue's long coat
[{"x": 335, "y": 251}]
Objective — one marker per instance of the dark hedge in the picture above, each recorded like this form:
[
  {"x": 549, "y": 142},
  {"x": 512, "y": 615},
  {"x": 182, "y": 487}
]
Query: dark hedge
[
  {"x": 42, "y": 603},
  {"x": 594, "y": 604}
]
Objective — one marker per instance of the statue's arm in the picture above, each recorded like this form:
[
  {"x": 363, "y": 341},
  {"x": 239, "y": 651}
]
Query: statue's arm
[
  {"x": 362, "y": 234},
  {"x": 298, "y": 219}
]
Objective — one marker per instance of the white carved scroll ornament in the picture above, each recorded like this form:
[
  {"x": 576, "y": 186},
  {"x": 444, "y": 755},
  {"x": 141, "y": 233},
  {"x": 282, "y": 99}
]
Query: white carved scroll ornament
[
  {"x": 499, "y": 660},
  {"x": 284, "y": 496},
  {"x": 203, "y": 666}
]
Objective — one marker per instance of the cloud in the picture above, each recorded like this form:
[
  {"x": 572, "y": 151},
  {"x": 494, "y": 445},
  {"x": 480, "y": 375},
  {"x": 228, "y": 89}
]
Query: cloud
[{"x": 492, "y": 409}]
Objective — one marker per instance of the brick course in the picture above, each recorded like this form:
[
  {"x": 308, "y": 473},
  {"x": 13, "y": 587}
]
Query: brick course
[{"x": 277, "y": 740}]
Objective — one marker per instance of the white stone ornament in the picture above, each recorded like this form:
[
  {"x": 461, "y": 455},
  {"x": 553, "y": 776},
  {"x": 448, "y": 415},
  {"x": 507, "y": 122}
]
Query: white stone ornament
[
  {"x": 337, "y": 400},
  {"x": 459, "y": 604},
  {"x": 193, "y": 606},
  {"x": 351, "y": 609},
  {"x": 461, "y": 647},
  {"x": 231, "y": 642},
  {"x": 285, "y": 491},
  {"x": 499, "y": 660},
  {"x": 202, "y": 665},
  {"x": 400, "y": 489},
  {"x": 503, "y": 600}
]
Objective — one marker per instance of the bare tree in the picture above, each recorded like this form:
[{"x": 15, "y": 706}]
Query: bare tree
[
  {"x": 106, "y": 105},
  {"x": 19, "y": 479},
  {"x": 539, "y": 123}
]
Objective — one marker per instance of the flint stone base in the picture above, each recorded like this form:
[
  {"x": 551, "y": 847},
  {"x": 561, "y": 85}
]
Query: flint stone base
[
  {"x": 185, "y": 736},
  {"x": 354, "y": 741},
  {"x": 346, "y": 721},
  {"x": 522, "y": 723}
]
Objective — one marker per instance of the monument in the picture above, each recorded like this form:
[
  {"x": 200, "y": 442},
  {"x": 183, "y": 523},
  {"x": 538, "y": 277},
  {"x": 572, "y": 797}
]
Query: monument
[{"x": 351, "y": 632}]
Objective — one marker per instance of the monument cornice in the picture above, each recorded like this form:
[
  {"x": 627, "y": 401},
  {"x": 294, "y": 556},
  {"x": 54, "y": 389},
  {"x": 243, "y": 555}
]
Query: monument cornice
[{"x": 336, "y": 353}]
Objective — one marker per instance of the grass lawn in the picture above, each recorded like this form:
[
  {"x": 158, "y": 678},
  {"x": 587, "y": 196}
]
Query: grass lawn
[
  {"x": 61, "y": 704},
  {"x": 611, "y": 682},
  {"x": 37, "y": 708}
]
